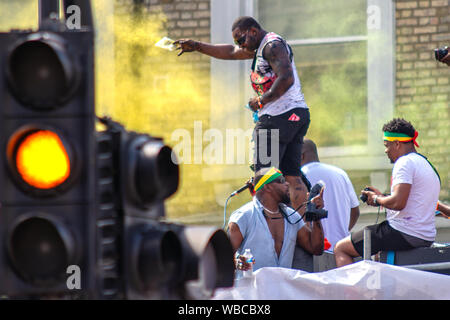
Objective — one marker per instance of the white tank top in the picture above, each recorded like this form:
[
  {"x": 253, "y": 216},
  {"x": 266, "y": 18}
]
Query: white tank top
[{"x": 262, "y": 78}]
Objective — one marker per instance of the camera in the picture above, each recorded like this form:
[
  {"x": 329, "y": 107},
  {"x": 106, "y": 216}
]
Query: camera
[
  {"x": 312, "y": 213},
  {"x": 440, "y": 53},
  {"x": 363, "y": 197}
]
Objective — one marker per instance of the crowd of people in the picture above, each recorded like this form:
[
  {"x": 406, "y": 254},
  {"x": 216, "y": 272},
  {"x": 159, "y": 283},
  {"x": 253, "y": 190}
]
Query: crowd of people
[{"x": 273, "y": 223}]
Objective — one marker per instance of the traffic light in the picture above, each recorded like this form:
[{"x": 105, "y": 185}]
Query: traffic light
[
  {"x": 82, "y": 212},
  {"x": 159, "y": 260},
  {"x": 207, "y": 261},
  {"x": 47, "y": 167}
]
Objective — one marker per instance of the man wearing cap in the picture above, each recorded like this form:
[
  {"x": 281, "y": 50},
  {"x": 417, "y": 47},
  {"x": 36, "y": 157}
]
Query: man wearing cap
[
  {"x": 270, "y": 228},
  {"x": 415, "y": 187}
]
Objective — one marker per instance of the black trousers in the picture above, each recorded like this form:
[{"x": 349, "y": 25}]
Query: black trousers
[{"x": 279, "y": 139}]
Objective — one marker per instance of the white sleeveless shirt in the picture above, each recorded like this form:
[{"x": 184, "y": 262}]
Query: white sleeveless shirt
[{"x": 262, "y": 78}]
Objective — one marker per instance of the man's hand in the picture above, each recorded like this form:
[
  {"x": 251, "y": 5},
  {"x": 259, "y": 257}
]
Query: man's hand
[
  {"x": 253, "y": 104},
  {"x": 186, "y": 45},
  {"x": 318, "y": 200},
  {"x": 371, "y": 195},
  {"x": 241, "y": 264}
]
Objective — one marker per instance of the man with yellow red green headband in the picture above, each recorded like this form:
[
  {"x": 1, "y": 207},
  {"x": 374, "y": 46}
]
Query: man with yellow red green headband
[
  {"x": 272, "y": 229},
  {"x": 410, "y": 207}
]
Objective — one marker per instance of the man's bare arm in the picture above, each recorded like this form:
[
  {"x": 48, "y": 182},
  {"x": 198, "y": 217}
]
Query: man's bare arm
[
  {"x": 219, "y": 51},
  {"x": 311, "y": 238},
  {"x": 236, "y": 237},
  {"x": 278, "y": 57},
  {"x": 395, "y": 201}
]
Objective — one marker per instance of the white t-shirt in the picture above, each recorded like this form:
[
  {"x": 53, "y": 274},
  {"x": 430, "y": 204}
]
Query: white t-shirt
[
  {"x": 417, "y": 218},
  {"x": 258, "y": 238},
  {"x": 339, "y": 197}
]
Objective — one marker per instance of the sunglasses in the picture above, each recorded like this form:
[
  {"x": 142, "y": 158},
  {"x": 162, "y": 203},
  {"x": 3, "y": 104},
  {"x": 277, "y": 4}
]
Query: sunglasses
[{"x": 241, "y": 40}]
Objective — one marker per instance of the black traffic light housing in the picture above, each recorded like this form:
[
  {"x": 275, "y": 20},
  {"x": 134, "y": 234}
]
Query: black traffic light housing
[
  {"x": 47, "y": 118},
  {"x": 159, "y": 260},
  {"x": 144, "y": 176},
  {"x": 72, "y": 198},
  {"x": 207, "y": 261}
]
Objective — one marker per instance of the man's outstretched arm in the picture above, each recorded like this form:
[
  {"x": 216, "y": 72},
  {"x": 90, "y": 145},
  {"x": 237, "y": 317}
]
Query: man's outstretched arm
[{"x": 219, "y": 51}]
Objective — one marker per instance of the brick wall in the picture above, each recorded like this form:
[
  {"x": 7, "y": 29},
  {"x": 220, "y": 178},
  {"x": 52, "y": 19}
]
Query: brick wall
[
  {"x": 185, "y": 18},
  {"x": 422, "y": 84}
]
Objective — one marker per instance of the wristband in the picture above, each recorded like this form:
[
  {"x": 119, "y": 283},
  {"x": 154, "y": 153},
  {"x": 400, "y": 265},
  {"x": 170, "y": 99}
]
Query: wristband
[
  {"x": 260, "y": 105},
  {"x": 375, "y": 202}
]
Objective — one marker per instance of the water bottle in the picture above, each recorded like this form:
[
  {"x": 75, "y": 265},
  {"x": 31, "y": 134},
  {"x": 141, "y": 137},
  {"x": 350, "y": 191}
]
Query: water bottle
[
  {"x": 237, "y": 272},
  {"x": 250, "y": 260},
  {"x": 255, "y": 113}
]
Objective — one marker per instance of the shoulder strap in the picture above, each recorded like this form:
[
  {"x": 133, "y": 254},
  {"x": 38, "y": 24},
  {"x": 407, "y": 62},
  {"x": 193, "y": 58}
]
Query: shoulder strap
[{"x": 439, "y": 177}]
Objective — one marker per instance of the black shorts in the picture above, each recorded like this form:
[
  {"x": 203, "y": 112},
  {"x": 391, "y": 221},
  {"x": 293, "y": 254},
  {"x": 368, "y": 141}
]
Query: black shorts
[
  {"x": 385, "y": 238},
  {"x": 278, "y": 141}
]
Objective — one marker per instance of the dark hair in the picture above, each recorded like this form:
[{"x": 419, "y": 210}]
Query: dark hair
[
  {"x": 400, "y": 125},
  {"x": 245, "y": 23}
]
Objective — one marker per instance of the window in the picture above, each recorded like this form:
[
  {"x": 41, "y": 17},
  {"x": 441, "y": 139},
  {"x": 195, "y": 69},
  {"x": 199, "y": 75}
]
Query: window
[{"x": 329, "y": 43}]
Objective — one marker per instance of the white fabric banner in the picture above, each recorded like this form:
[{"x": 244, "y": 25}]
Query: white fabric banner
[{"x": 364, "y": 280}]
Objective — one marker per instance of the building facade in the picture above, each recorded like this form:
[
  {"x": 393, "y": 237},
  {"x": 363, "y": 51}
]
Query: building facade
[{"x": 361, "y": 63}]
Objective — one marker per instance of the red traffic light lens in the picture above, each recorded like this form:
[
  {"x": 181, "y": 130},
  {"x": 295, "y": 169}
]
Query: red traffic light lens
[{"x": 42, "y": 160}]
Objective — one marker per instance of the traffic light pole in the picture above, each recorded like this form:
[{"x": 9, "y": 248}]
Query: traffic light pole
[{"x": 48, "y": 9}]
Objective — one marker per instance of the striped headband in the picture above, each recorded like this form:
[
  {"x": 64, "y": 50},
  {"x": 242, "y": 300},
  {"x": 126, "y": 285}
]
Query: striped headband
[
  {"x": 393, "y": 136},
  {"x": 271, "y": 175}
]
